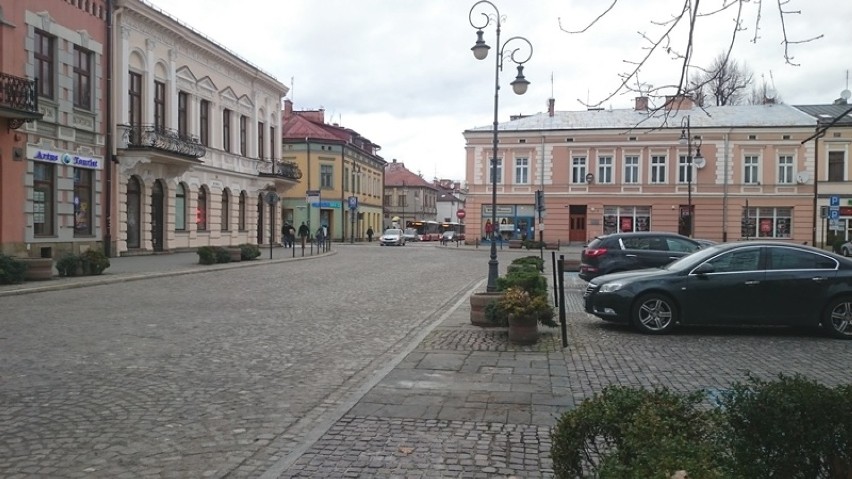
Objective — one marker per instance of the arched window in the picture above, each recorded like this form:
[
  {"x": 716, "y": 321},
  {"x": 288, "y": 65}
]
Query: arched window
[
  {"x": 201, "y": 209},
  {"x": 242, "y": 219},
  {"x": 226, "y": 210},
  {"x": 180, "y": 207}
]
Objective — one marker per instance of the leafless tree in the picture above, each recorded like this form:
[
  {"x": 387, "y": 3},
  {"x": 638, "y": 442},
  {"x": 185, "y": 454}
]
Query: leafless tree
[
  {"x": 725, "y": 82},
  {"x": 748, "y": 14},
  {"x": 763, "y": 94}
]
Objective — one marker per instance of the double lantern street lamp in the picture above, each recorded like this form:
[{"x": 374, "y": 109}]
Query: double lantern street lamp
[
  {"x": 688, "y": 140},
  {"x": 519, "y": 86}
]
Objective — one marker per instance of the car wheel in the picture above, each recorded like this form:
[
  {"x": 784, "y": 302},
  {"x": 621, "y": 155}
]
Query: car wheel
[
  {"x": 838, "y": 318},
  {"x": 654, "y": 313}
]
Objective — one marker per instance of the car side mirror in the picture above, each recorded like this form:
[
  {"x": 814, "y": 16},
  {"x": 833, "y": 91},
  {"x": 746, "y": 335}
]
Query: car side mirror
[{"x": 704, "y": 268}]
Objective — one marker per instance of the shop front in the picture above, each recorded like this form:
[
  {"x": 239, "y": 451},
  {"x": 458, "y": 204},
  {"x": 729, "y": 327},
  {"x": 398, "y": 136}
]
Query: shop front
[{"x": 514, "y": 222}]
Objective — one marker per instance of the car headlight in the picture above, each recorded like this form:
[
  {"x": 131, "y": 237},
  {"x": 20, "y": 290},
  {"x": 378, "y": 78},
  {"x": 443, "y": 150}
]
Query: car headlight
[{"x": 611, "y": 287}]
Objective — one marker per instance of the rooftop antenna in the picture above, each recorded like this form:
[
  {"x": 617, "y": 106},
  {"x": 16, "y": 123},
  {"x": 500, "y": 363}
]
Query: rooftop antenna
[{"x": 551, "y": 82}]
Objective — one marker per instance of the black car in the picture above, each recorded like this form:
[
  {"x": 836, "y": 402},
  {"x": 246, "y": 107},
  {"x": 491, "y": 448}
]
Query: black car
[
  {"x": 628, "y": 251},
  {"x": 744, "y": 283}
]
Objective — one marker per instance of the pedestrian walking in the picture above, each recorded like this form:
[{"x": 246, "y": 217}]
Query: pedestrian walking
[
  {"x": 304, "y": 232},
  {"x": 370, "y": 234},
  {"x": 320, "y": 235}
]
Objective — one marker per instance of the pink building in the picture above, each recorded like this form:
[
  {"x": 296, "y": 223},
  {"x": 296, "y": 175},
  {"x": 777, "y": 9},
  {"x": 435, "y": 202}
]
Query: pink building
[{"x": 750, "y": 174}]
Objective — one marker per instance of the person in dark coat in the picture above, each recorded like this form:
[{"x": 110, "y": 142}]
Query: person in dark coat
[
  {"x": 370, "y": 234},
  {"x": 304, "y": 232}
]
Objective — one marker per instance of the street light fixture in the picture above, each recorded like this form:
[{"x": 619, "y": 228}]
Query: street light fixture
[
  {"x": 519, "y": 86},
  {"x": 353, "y": 211},
  {"x": 687, "y": 139}
]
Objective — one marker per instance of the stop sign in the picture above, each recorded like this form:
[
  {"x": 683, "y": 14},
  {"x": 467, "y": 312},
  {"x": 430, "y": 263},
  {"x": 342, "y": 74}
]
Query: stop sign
[{"x": 460, "y": 214}]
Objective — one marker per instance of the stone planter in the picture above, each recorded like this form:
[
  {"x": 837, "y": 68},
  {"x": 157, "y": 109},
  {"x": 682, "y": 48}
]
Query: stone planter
[
  {"x": 37, "y": 268},
  {"x": 523, "y": 330},
  {"x": 478, "y": 303},
  {"x": 236, "y": 254}
]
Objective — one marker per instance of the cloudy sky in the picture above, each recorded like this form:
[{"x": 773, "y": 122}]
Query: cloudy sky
[{"x": 401, "y": 73}]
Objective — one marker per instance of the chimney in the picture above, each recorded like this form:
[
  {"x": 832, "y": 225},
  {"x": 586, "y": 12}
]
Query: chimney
[
  {"x": 551, "y": 106},
  {"x": 641, "y": 103},
  {"x": 288, "y": 108},
  {"x": 679, "y": 102}
]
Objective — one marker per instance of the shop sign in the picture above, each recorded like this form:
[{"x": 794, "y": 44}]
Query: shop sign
[
  {"x": 502, "y": 210},
  {"x": 326, "y": 204},
  {"x": 48, "y": 156}
]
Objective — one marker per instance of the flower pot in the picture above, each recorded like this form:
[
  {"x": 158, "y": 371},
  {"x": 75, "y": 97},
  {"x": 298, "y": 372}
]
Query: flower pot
[
  {"x": 37, "y": 268},
  {"x": 478, "y": 303},
  {"x": 523, "y": 330}
]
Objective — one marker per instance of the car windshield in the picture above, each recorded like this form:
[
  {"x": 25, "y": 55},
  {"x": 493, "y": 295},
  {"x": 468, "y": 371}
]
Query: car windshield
[
  {"x": 692, "y": 260},
  {"x": 393, "y": 232}
]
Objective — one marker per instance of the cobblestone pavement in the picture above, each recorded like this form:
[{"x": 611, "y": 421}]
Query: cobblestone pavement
[{"x": 358, "y": 364}]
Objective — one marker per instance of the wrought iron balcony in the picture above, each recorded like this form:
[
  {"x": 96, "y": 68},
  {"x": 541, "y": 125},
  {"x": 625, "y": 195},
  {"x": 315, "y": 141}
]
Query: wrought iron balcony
[
  {"x": 163, "y": 139},
  {"x": 18, "y": 99},
  {"x": 280, "y": 169}
]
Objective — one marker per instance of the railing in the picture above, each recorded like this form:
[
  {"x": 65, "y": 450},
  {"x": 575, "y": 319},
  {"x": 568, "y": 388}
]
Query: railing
[
  {"x": 280, "y": 169},
  {"x": 18, "y": 93},
  {"x": 165, "y": 139}
]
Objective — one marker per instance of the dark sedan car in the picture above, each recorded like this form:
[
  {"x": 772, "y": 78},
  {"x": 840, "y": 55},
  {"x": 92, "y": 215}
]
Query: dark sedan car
[
  {"x": 745, "y": 283},
  {"x": 628, "y": 251}
]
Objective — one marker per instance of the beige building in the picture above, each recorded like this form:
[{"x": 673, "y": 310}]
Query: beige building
[
  {"x": 604, "y": 171},
  {"x": 197, "y": 133}
]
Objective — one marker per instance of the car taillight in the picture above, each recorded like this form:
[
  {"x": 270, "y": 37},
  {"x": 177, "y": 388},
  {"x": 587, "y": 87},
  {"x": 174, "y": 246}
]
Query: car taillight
[{"x": 595, "y": 252}]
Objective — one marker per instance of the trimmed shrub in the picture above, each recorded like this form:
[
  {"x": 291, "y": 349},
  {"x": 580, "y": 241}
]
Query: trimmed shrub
[
  {"x": 533, "y": 244},
  {"x": 68, "y": 264},
  {"x": 533, "y": 260},
  {"x": 94, "y": 261},
  {"x": 206, "y": 255},
  {"x": 11, "y": 270},
  {"x": 249, "y": 251},
  {"x": 222, "y": 254},
  {"x": 527, "y": 279}
]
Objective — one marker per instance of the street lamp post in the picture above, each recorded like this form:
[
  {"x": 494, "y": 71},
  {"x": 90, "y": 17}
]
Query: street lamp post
[
  {"x": 687, "y": 139},
  {"x": 404, "y": 201},
  {"x": 353, "y": 209},
  {"x": 519, "y": 86}
]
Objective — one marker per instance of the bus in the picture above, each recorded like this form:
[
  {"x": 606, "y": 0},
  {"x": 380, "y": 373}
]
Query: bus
[
  {"x": 426, "y": 230},
  {"x": 456, "y": 228}
]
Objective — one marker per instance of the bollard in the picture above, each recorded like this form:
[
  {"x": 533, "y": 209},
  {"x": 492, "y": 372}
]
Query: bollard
[{"x": 562, "y": 320}]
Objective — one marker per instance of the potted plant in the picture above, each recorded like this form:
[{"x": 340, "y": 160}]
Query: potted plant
[
  {"x": 525, "y": 311},
  {"x": 69, "y": 264},
  {"x": 94, "y": 261}
]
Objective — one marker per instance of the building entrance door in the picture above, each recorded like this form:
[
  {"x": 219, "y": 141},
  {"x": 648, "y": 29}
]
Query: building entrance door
[
  {"x": 157, "y": 216},
  {"x": 260, "y": 219},
  {"x": 577, "y": 223},
  {"x": 134, "y": 210}
]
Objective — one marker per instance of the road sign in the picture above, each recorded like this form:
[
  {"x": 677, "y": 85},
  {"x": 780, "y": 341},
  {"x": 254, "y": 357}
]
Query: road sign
[
  {"x": 834, "y": 214},
  {"x": 834, "y": 200},
  {"x": 353, "y": 202},
  {"x": 460, "y": 214},
  {"x": 271, "y": 197}
]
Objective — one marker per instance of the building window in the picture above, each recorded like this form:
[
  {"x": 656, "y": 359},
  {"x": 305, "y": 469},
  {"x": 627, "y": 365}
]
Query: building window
[
  {"x": 767, "y": 222},
  {"x": 658, "y": 169},
  {"x": 626, "y": 219},
  {"x": 605, "y": 169},
  {"x": 242, "y": 211},
  {"x": 260, "y": 139},
  {"x": 82, "y": 78},
  {"x": 135, "y": 94},
  {"x": 160, "y": 105},
  {"x": 835, "y": 165},
  {"x": 326, "y": 177},
  {"x": 497, "y": 171},
  {"x": 387, "y": 201},
  {"x": 43, "y": 44},
  {"x": 631, "y": 169},
  {"x": 82, "y": 201},
  {"x": 204, "y": 123},
  {"x": 578, "y": 170},
  {"x": 785, "y": 169},
  {"x": 522, "y": 171},
  {"x": 43, "y": 193},
  {"x": 272, "y": 142},
  {"x": 226, "y": 210},
  {"x": 750, "y": 170},
  {"x": 201, "y": 209},
  {"x": 180, "y": 207},
  {"x": 402, "y": 200},
  {"x": 684, "y": 170},
  {"x": 183, "y": 112},
  {"x": 226, "y": 130},
  {"x": 243, "y": 134}
]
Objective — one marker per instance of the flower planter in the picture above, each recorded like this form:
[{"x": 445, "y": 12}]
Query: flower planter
[
  {"x": 37, "y": 268},
  {"x": 523, "y": 330},
  {"x": 478, "y": 303},
  {"x": 236, "y": 254}
]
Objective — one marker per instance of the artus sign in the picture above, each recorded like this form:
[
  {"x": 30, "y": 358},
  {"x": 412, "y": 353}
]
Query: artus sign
[{"x": 48, "y": 156}]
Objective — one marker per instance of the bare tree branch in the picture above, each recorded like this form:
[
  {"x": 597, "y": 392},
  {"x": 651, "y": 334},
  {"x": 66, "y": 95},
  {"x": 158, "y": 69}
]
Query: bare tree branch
[{"x": 591, "y": 23}]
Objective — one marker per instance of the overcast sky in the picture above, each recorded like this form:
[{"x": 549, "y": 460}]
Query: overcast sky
[{"x": 401, "y": 72}]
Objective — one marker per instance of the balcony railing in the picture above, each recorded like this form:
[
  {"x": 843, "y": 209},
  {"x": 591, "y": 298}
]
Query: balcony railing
[
  {"x": 164, "y": 139},
  {"x": 280, "y": 169},
  {"x": 19, "y": 97}
]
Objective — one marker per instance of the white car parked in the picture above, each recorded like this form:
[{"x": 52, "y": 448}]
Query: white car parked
[{"x": 392, "y": 237}]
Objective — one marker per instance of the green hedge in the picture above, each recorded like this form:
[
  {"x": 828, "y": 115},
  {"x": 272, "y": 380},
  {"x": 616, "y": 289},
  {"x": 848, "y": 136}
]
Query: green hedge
[
  {"x": 11, "y": 270},
  {"x": 791, "y": 428}
]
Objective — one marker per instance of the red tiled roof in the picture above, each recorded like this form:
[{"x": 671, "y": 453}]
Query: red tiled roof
[
  {"x": 396, "y": 174},
  {"x": 297, "y": 127}
]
